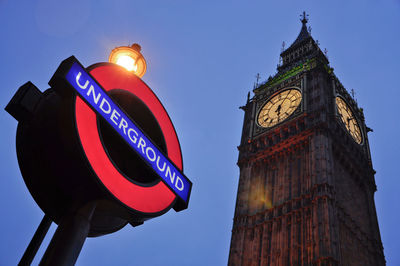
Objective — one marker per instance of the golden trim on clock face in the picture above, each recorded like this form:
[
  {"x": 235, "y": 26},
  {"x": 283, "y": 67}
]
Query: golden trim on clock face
[
  {"x": 279, "y": 107},
  {"x": 349, "y": 120}
]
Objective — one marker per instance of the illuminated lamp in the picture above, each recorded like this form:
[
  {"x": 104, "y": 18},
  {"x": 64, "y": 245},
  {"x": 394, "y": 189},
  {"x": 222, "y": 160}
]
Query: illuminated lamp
[{"x": 130, "y": 58}]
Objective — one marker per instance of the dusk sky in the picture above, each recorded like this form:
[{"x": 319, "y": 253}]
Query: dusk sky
[{"x": 202, "y": 59}]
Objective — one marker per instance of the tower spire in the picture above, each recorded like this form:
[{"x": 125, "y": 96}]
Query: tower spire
[
  {"x": 304, "y": 18},
  {"x": 304, "y": 32},
  {"x": 302, "y": 49}
]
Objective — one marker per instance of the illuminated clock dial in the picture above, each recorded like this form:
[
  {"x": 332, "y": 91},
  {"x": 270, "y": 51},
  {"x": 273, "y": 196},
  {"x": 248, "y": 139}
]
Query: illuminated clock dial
[
  {"x": 349, "y": 120},
  {"x": 279, "y": 107}
]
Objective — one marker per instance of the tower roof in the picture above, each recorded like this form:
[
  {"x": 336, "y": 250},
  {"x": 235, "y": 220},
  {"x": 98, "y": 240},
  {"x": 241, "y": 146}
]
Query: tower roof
[
  {"x": 302, "y": 49},
  {"x": 303, "y": 35}
]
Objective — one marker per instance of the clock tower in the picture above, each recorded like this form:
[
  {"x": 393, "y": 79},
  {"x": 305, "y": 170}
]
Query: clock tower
[{"x": 306, "y": 184}]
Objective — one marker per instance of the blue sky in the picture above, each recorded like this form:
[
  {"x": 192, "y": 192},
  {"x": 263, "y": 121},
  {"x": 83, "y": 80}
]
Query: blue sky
[{"x": 202, "y": 60}]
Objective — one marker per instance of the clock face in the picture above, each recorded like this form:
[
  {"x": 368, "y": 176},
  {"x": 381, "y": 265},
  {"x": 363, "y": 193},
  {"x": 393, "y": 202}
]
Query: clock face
[
  {"x": 279, "y": 107},
  {"x": 349, "y": 120}
]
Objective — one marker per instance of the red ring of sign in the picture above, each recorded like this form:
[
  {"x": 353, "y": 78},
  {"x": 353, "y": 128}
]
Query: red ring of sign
[{"x": 147, "y": 199}]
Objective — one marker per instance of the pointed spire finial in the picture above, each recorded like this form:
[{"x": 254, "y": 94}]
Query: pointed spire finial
[
  {"x": 304, "y": 18},
  {"x": 257, "y": 79}
]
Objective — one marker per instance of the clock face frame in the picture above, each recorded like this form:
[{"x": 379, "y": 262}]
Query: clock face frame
[
  {"x": 279, "y": 107},
  {"x": 349, "y": 120}
]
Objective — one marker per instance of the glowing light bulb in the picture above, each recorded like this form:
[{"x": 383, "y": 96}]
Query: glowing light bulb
[
  {"x": 130, "y": 58},
  {"x": 127, "y": 62}
]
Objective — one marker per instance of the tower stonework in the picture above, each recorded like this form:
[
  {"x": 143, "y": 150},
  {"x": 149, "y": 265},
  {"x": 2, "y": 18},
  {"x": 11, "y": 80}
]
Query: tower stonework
[{"x": 306, "y": 185}]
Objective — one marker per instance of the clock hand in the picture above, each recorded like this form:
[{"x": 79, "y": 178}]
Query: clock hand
[
  {"x": 287, "y": 97},
  {"x": 348, "y": 121},
  {"x": 278, "y": 110}
]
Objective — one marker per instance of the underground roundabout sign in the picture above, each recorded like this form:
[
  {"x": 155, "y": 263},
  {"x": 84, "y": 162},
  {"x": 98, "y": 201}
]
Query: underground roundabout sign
[
  {"x": 99, "y": 134},
  {"x": 95, "y": 100}
]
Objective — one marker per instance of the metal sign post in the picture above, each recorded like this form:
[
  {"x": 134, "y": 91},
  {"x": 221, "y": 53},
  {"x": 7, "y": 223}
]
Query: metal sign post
[{"x": 67, "y": 241}]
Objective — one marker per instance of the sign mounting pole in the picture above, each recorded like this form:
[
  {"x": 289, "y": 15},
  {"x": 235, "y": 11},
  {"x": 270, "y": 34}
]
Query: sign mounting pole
[
  {"x": 36, "y": 241},
  {"x": 71, "y": 233}
]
